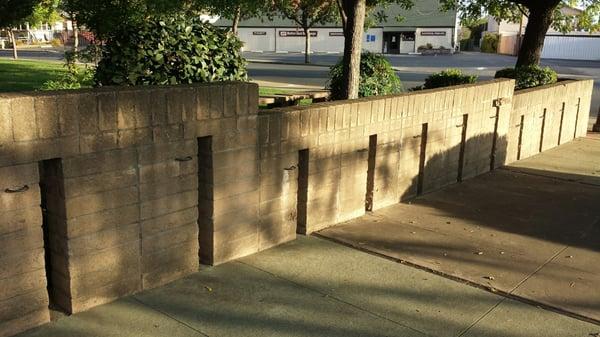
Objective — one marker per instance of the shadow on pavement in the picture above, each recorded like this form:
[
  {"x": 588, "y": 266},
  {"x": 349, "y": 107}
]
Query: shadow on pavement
[{"x": 531, "y": 231}]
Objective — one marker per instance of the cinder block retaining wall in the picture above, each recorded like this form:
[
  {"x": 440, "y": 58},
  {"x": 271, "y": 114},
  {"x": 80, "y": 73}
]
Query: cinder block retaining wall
[
  {"x": 105, "y": 193},
  {"x": 543, "y": 118}
]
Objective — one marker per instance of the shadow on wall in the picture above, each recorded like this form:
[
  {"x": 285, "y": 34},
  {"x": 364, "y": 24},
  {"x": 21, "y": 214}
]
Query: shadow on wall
[
  {"x": 319, "y": 187},
  {"x": 521, "y": 201}
]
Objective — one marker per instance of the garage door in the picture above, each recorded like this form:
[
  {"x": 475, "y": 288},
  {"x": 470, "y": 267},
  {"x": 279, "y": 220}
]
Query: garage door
[{"x": 572, "y": 47}]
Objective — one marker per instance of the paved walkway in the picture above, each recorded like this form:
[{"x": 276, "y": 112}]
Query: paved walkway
[
  {"x": 531, "y": 230},
  {"x": 314, "y": 287}
]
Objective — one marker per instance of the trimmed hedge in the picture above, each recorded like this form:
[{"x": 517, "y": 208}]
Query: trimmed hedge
[
  {"x": 177, "y": 49},
  {"x": 529, "y": 76},
  {"x": 446, "y": 78},
  {"x": 376, "y": 77}
]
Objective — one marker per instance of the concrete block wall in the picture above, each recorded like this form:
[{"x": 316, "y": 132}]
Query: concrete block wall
[
  {"x": 116, "y": 173},
  {"x": 23, "y": 294},
  {"x": 337, "y": 137},
  {"x": 138, "y": 186},
  {"x": 230, "y": 181},
  {"x": 540, "y": 116}
]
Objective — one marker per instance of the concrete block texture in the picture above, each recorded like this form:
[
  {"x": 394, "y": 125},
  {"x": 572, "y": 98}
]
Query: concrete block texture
[
  {"x": 551, "y": 115},
  {"x": 138, "y": 186},
  {"x": 23, "y": 295}
]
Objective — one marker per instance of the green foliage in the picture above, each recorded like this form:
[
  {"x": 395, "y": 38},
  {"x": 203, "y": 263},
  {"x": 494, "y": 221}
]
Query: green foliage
[
  {"x": 376, "y": 77},
  {"x": 13, "y": 12},
  {"x": 46, "y": 11},
  {"x": 381, "y": 16},
  {"x": 106, "y": 18},
  {"x": 447, "y": 78},
  {"x": 307, "y": 13},
  {"x": 529, "y": 76},
  {"x": 466, "y": 45},
  {"x": 506, "y": 73},
  {"x": 171, "y": 50},
  {"x": 428, "y": 46},
  {"x": 490, "y": 43},
  {"x": 26, "y": 75},
  {"x": 513, "y": 11},
  {"x": 76, "y": 77}
]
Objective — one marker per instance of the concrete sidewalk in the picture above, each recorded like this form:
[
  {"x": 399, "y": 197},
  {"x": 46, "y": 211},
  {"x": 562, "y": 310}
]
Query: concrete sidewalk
[
  {"x": 530, "y": 230},
  {"x": 313, "y": 287}
]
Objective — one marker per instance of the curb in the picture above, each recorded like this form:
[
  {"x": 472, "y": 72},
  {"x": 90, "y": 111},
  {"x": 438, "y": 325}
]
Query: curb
[{"x": 288, "y": 63}]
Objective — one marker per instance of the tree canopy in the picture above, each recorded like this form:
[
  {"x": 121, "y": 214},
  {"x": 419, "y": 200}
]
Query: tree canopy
[
  {"x": 234, "y": 10},
  {"x": 514, "y": 10},
  {"x": 45, "y": 11},
  {"x": 13, "y": 12},
  {"x": 106, "y": 17},
  {"x": 541, "y": 15}
]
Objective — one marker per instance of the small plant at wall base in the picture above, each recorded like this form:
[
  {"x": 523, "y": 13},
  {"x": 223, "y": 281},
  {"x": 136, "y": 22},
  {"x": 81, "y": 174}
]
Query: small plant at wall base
[
  {"x": 529, "y": 76},
  {"x": 447, "y": 78},
  {"x": 177, "y": 49},
  {"x": 428, "y": 46},
  {"x": 376, "y": 78}
]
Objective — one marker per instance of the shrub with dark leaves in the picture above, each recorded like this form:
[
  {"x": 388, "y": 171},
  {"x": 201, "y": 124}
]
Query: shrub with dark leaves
[
  {"x": 177, "y": 49},
  {"x": 447, "y": 78},
  {"x": 376, "y": 77},
  {"x": 529, "y": 76}
]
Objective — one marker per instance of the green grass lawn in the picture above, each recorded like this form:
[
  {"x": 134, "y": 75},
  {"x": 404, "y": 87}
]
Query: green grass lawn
[
  {"x": 28, "y": 75},
  {"x": 264, "y": 91},
  {"x": 268, "y": 91},
  {"x": 22, "y": 75}
]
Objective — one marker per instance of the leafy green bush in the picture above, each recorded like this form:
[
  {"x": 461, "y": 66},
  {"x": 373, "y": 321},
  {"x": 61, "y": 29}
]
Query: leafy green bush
[
  {"x": 446, "y": 78},
  {"x": 171, "y": 50},
  {"x": 529, "y": 76},
  {"x": 466, "y": 44},
  {"x": 76, "y": 76},
  {"x": 490, "y": 43},
  {"x": 376, "y": 77}
]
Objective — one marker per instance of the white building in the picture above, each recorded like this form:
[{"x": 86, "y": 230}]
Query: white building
[
  {"x": 422, "y": 25},
  {"x": 575, "y": 45}
]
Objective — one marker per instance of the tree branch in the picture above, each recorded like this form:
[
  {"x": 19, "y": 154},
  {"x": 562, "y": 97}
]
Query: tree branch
[
  {"x": 522, "y": 10},
  {"x": 343, "y": 15}
]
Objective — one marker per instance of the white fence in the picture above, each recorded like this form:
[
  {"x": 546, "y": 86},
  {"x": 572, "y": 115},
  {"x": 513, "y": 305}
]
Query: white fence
[{"x": 572, "y": 47}]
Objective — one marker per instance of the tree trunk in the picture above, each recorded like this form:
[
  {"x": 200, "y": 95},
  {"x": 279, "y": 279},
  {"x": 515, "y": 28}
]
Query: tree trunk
[
  {"x": 75, "y": 36},
  {"x": 540, "y": 19},
  {"x": 355, "y": 21},
  {"x": 11, "y": 35},
  {"x": 236, "y": 20},
  {"x": 343, "y": 17},
  {"x": 306, "y": 45}
]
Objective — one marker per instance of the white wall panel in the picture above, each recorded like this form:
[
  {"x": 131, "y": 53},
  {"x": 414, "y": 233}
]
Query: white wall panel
[
  {"x": 257, "y": 39},
  {"x": 435, "y": 40},
  {"x": 572, "y": 47}
]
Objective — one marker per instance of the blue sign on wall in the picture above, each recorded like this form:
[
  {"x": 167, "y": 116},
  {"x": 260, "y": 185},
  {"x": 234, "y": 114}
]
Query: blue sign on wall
[{"x": 370, "y": 38}]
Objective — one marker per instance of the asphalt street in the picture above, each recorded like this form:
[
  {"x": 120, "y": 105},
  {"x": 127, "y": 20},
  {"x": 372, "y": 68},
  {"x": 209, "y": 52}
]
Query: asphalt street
[
  {"x": 287, "y": 70},
  {"x": 33, "y": 54}
]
